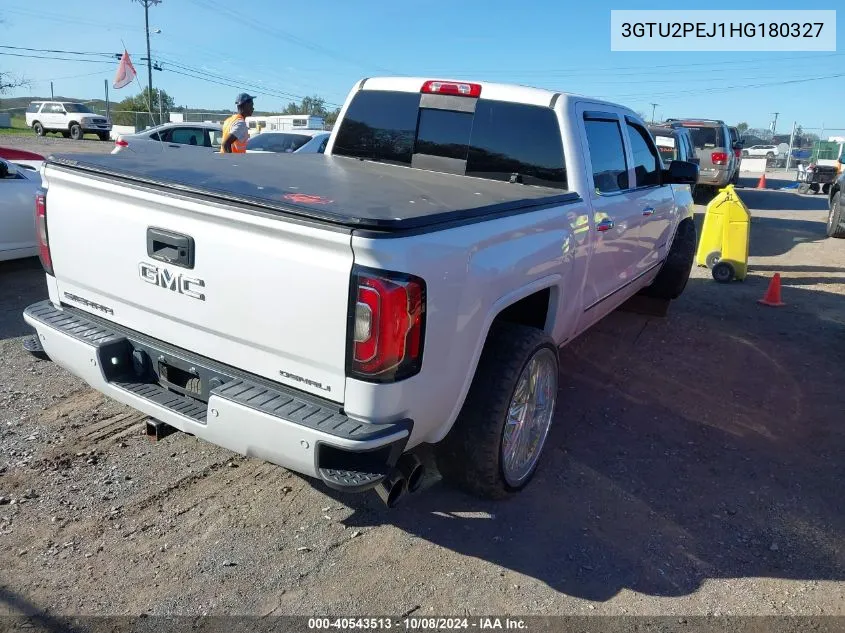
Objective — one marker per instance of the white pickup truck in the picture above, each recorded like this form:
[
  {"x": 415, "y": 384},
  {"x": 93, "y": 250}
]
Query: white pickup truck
[{"x": 331, "y": 312}]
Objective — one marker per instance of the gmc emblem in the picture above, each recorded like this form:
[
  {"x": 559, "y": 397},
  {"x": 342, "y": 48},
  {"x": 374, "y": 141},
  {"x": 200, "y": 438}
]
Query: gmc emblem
[{"x": 176, "y": 282}]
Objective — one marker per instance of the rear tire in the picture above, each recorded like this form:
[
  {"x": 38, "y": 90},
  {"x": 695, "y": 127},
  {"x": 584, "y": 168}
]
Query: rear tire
[
  {"x": 835, "y": 217},
  {"x": 38, "y": 129},
  {"x": 470, "y": 457},
  {"x": 76, "y": 132},
  {"x": 673, "y": 276},
  {"x": 104, "y": 136}
]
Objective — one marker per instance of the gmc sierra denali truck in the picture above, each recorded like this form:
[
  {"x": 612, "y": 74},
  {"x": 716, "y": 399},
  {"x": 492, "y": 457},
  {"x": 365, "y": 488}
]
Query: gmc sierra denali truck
[{"x": 412, "y": 285}]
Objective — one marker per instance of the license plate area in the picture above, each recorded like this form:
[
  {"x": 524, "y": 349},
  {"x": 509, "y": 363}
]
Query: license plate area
[{"x": 134, "y": 361}]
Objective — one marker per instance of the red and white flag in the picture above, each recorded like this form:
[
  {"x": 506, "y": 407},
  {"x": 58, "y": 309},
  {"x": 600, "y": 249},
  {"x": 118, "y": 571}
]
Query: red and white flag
[{"x": 125, "y": 72}]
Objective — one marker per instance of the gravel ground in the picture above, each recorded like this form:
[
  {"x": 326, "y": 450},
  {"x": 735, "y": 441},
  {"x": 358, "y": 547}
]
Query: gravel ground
[{"x": 695, "y": 467}]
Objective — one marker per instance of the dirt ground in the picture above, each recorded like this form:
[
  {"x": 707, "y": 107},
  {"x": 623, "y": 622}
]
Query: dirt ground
[{"x": 695, "y": 467}]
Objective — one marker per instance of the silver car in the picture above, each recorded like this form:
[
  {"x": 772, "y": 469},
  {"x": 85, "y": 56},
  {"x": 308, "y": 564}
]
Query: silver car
[{"x": 172, "y": 136}]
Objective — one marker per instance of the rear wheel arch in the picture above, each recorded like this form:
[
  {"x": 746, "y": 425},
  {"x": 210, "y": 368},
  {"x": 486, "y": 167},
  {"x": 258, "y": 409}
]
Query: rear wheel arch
[{"x": 535, "y": 307}]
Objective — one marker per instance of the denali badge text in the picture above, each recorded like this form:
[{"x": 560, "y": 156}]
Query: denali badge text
[
  {"x": 167, "y": 279},
  {"x": 305, "y": 381}
]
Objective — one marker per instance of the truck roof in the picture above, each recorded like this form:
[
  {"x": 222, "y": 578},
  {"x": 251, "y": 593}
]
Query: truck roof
[
  {"x": 338, "y": 190},
  {"x": 489, "y": 90}
]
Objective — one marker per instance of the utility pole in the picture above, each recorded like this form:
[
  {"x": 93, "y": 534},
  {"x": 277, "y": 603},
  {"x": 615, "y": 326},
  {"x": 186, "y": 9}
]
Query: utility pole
[
  {"x": 108, "y": 107},
  {"x": 653, "y": 106},
  {"x": 791, "y": 141},
  {"x": 146, "y": 4},
  {"x": 52, "y": 98},
  {"x": 775, "y": 123}
]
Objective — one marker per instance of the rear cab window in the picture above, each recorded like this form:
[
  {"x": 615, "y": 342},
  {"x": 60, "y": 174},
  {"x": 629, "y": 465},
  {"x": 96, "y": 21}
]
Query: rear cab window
[
  {"x": 483, "y": 138},
  {"x": 34, "y": 107}
]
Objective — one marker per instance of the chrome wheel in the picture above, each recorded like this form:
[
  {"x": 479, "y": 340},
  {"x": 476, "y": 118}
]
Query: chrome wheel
[{"x": 529, "y": 417}]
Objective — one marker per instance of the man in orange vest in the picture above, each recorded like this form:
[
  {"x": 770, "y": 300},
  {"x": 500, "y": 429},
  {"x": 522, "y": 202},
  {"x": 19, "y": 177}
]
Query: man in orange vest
[{"x": 235, "y": 131}]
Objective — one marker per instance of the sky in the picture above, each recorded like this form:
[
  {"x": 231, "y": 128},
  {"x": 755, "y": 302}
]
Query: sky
[{"x": 280, "y": 51}]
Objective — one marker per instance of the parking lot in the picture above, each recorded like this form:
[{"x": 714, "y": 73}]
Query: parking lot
[{"x": 694, "y": 467}]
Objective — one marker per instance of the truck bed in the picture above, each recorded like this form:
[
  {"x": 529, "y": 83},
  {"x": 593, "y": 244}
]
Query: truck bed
[{"x": 342, "y": 191}]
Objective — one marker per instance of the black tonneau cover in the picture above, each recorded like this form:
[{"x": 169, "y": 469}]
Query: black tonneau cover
[{"x": 335, "y": 189}]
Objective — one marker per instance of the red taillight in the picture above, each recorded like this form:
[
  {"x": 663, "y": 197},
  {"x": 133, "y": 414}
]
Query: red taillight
[
  {"x": 719, "y": 158},
  {"x": 456, "y": 88},
  {"x": 41, "y": 231},
  {"x": 738, "y": 153},
  {"x": 121, "y": 143},
  {"x": 388, "y": 321}
]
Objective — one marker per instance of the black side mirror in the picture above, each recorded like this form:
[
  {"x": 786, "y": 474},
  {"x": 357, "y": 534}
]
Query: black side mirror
[
  {"x": 680, "y": 172},
  {"x": 738, "y": 145}
]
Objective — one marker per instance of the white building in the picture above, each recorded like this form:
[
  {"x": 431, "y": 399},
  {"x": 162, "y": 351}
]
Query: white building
[{"x": 280, "y": 122}]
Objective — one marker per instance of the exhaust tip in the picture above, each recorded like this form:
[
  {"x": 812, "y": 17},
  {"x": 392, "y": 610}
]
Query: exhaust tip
[
  {"x": 412, "y": 470},
  {"x": 392, "y": 490}
]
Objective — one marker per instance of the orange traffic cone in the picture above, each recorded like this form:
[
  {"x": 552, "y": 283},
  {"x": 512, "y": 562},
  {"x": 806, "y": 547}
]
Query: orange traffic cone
[
  {"x": 772, "y": 296},
  {"x": 761, "y": 184}
]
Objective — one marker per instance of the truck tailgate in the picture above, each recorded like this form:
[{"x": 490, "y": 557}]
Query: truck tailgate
[{"x": 263, "y": 294}]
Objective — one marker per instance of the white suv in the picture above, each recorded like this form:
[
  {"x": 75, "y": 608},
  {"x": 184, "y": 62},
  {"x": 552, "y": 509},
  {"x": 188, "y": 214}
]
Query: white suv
[
  {"x": 769, "y": 151},
  {"x": 72, "y": 120}
]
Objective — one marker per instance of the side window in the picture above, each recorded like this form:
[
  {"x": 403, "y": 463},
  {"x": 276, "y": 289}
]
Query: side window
[
  {"x": 33, "y": 107},
  {"x": 187, "y": 136},
  {"x": 58, "y": 108},
  {"x": 646, "y": 161},
  {"x": 510, "y": 138},
  {"x": 322, "y": 148},
  {"x": 607, "y": 154}
]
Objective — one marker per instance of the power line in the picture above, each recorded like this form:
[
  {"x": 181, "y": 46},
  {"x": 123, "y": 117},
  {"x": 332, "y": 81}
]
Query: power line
[
  {"x": 284, "y": 35},
  {"x": 724, "y": 88},
  {"x": 41, "y": 81},
  {"x": 64, "y": 59},
  {"x": 568, "y": 71},
  {"x": 68, "y": 19},
  {"x": 53, "y": 50},
  {"x": 239, "y": 82},
  {"x": 230, "y": 84}
]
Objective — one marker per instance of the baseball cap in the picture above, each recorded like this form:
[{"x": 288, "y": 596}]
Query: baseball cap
[{"x": 243, "y": 98}]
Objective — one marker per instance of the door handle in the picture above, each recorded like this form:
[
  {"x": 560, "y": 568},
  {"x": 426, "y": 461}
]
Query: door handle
[
  {"x": 176, "y": 145},
  {"x": 604, "y": 225},
  {"x": 171, "y": 248},
  {"x": 648, "y": 211}
]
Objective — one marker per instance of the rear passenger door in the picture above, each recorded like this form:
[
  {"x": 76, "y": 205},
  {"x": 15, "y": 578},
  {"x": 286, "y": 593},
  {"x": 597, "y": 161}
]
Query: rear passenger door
[
  {"x": 653, "y": 204},
  {"x": 616, "y": 249}
]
